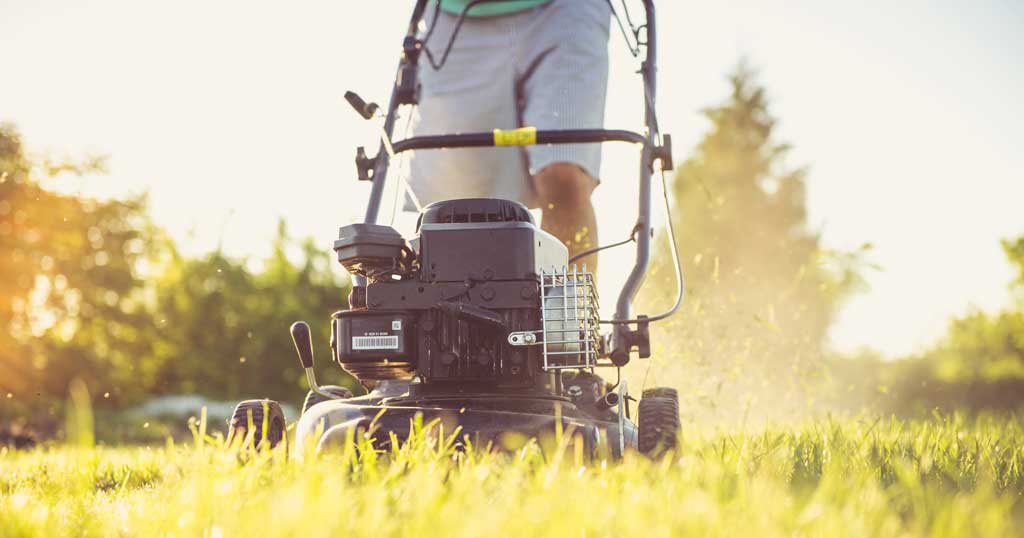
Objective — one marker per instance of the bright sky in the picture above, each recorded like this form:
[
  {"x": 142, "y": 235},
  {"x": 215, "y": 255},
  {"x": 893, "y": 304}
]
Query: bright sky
[{"x": 230, "y": 114}]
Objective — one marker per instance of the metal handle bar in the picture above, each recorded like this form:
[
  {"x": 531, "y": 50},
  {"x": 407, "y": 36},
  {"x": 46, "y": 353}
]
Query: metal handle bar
[{"x": 526, "y": 136}]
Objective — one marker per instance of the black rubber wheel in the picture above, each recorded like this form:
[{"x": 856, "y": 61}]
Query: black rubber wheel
[
  {"x": 658, "y": 419},
  {"x": 313, "y": 398},
  {"x": 661, "y": 392},
  {"x": 238, "y": 426}
]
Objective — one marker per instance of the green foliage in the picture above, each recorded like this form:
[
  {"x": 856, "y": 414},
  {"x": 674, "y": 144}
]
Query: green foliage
[
  {"x": 224, "y": 328},
  {"x": 92, "y": 290},
  {"x": 70, "y": 302},
  {"x": 1015, "y": 253},
  {"x": 977, "y": 365},
  {"x": 867, "y": 477},
  {"x": 982, "y": 346}
]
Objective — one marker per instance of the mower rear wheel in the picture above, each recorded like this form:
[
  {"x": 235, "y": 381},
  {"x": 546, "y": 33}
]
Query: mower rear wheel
[
  {"x": 658, "y": 426},
  {"x": 267, "y": 423},
  {"x": 313, "y": 398}
]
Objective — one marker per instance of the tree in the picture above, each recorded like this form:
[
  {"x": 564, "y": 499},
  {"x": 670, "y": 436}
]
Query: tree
[
  {"x": 978, "y": 365},
  {"x": 93, "y": 290},
  {"x": 70, "y": 291},
  {"x": 225, "y": 327},
  {"x": 986, "y": 347},
  {"x": 761, "y": 290},
  {"x": 1014, "y": 250}
]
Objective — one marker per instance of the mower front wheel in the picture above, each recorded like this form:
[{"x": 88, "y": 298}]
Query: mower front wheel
[
  {"x": 264, "y": 418},
  {"x": 658, "y": 426}
]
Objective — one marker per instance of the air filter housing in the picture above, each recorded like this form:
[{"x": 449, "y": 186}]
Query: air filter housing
[{"x": 372, "y": 251}]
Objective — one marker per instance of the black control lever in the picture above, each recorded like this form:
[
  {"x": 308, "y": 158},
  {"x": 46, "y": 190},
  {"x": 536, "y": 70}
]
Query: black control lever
[
  {"x": 303, "y": 340},
  {"x": 364, "y": 109},
  {"x": 303, "y": 343}
]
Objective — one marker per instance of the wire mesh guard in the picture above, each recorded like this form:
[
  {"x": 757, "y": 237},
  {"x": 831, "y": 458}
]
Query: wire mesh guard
[{"x": 569, "y": 315}]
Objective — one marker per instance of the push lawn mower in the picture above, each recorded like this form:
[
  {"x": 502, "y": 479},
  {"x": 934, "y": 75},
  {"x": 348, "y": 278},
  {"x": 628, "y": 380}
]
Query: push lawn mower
[{"x": 481, "y": 320}]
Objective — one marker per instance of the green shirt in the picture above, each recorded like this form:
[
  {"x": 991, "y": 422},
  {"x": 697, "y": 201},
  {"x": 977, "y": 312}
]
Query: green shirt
[{"x": 488, "y": 9}]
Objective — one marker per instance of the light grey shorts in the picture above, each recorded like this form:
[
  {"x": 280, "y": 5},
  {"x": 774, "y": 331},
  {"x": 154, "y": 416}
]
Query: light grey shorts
[{"x": 546, "y": 68}]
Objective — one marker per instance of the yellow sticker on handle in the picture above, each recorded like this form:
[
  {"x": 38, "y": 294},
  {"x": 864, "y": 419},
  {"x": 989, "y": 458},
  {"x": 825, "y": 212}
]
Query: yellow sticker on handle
[{"x": 524, "y": 136}]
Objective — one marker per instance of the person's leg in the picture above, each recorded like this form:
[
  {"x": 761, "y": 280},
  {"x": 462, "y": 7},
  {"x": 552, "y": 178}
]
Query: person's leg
[
  {"x": 564, "y": 191},
  {"x": 562, "y": 79}
]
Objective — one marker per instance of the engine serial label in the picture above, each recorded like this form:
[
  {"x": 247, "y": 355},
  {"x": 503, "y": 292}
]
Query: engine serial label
[{"x": 374, "y": 342}]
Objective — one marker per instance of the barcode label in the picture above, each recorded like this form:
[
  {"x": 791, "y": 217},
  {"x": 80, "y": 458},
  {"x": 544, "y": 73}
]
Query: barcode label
[{"x": 374, "y": 342}]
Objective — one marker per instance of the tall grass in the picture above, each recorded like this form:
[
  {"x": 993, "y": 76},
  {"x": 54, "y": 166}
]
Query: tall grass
[{"x": 945, "y": 477}]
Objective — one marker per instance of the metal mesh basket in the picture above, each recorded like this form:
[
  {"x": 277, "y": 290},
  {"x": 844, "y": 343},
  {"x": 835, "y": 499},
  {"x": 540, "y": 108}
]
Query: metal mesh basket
[{"x": 569, "y": 314}]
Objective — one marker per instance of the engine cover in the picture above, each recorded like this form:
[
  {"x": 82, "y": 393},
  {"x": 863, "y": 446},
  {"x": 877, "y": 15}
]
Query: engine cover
[
  {"x": 487, "y": 251},
  {"x": 483, "y": 239}
]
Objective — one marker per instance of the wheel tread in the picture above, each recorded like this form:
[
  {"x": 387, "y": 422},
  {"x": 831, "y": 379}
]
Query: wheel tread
[
  {"x": 658, "y": 419},
  {"x": 238, "y": 425},
  {"x": 661, "y": 392}
]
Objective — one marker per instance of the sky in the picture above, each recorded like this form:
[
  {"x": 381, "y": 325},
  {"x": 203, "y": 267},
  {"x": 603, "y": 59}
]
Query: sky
[{"x": 229, "y": 114}]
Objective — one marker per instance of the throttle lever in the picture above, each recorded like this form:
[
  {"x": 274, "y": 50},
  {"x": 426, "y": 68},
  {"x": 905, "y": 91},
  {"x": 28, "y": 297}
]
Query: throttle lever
[
  {"x": 364, "y": 109},
  {"x": 303, "y": 341}
]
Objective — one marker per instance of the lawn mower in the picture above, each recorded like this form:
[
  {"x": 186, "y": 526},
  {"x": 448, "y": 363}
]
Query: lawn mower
[{"x": 480, "y": 322}]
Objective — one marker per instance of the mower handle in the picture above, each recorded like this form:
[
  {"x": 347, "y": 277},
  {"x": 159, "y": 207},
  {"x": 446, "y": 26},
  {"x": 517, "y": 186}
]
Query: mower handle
[{"x": 525, "y": 136}]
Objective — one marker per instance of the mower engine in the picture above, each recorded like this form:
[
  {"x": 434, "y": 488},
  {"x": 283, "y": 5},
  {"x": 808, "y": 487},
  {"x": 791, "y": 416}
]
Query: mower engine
[{"x": 481, "y": 300}]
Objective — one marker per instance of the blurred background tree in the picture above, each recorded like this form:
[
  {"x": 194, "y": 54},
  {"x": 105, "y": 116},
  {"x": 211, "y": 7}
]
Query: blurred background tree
[
  {"x": 762, "y": 292},
  {"x": 92, "y": 289},
  {"x": 978, "y": 364},
  {"x": 71, "y": 301},
  {"x": 225, "y": 327}
]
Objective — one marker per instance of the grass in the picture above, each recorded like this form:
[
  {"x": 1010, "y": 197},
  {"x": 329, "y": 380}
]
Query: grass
[{"x": 945, "y": 477}]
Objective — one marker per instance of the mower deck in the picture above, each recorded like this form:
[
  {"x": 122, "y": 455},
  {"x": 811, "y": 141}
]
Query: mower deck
[{"x": 503, "y": 422}]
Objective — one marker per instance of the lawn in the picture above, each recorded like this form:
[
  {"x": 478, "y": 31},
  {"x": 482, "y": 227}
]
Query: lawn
[{"x": 947, "y": 476}]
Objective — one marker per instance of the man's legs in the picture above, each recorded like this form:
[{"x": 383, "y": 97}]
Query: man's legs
[
  {"x": 564, "y": 191},
  {"x": 562, "y": 68}
]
